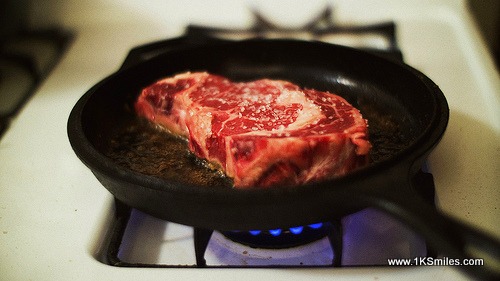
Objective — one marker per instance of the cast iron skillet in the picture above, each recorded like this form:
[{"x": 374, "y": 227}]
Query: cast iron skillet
[{"x": 382, "y": 88}]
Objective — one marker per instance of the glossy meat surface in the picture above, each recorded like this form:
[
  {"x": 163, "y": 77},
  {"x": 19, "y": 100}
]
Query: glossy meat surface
[{"x": 260, "y": 133}]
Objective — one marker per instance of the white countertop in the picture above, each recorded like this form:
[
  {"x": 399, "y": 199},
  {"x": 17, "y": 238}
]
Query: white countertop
[{"x": 52, "y": 209}]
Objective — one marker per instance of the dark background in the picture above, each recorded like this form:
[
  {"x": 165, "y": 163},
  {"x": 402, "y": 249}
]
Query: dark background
[{"x": 487, "y": 15}]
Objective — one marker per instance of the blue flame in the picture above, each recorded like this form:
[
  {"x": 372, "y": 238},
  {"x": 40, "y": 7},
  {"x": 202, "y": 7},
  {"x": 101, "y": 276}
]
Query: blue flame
[
  {"x": 296, "y": 230},
  {"x": 255, "y": 232},
  {"x": 275, "y": 232},
  {"x": 316, "y": 225}
]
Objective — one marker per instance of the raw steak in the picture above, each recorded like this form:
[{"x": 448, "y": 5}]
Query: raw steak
[{"x": 260, "y": 133}]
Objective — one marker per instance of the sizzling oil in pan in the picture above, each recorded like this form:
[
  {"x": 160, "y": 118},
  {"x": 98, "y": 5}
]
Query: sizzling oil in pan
[{"x": 142, "y": 147}]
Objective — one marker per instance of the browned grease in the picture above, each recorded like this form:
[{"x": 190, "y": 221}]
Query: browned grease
[{"x": 142, "y": 147}]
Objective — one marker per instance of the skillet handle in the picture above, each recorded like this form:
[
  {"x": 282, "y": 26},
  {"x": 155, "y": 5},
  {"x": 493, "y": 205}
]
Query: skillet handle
[{"x": 454, "y": 241}]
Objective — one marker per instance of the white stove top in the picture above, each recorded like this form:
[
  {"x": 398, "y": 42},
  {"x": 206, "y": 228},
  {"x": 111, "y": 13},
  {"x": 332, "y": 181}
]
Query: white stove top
[{"x": 53, "y": 211}]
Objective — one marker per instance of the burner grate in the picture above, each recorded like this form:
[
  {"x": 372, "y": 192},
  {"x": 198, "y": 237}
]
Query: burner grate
[
  {"x": 338, "y": 236},
  {"x": 379, "y": 38},
  {"x": 110, "y": 253}
]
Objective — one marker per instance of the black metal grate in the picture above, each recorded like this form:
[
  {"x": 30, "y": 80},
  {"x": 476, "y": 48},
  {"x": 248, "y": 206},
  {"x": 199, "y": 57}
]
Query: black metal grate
[{"x": 112, "y": 243}]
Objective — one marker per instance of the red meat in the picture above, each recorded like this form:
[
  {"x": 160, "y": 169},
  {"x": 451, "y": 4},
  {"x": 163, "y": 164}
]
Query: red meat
[{"x": 260, "y": 133}]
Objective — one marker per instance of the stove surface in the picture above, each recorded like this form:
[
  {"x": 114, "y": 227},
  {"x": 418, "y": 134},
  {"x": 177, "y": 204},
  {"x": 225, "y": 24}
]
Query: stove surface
[{"x": 54, "y": 213}]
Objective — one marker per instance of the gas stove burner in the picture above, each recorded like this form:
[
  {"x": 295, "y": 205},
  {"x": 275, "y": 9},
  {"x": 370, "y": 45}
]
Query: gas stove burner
[
  {"x": 276, "y": 239},
  {"x": 281, "y": 237}
]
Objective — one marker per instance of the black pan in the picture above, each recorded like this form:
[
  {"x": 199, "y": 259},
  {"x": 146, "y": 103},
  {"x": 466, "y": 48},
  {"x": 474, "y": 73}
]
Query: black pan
[{"x": 407, "y": 113}]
